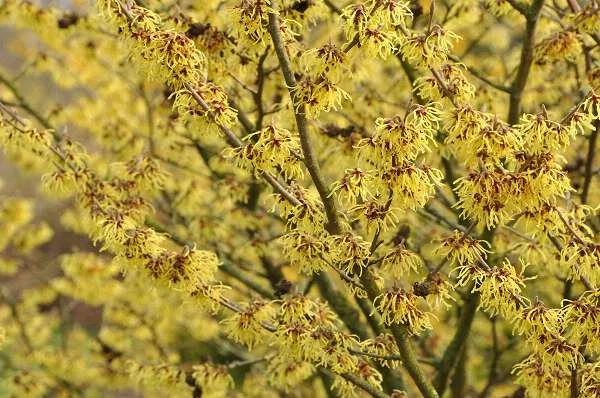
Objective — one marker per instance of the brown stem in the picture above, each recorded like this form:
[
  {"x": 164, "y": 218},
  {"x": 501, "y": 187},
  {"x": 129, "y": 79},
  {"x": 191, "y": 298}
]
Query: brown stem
[
  {"x": 452, "y": 353},
  {"x": 574, "y": 388},
  {"x": 589, "y": 163},
  {"x": 518, "y": 5},
  {"x": 532, "y": 14},
  {"x": 459, "y": 377},
  {"x": 310, "y": 159},
  {"x": 493, "y": 373}
]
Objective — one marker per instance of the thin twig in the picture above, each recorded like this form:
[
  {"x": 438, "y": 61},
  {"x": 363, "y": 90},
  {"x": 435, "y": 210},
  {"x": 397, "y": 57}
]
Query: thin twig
[{"x": 25, "y": 105}]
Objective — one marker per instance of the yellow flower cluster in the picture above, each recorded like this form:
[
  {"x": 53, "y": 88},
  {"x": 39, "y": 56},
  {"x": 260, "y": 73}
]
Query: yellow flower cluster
[
  {"x": 558, "y": 47},
  {"x": 319, "y": 94},
  {"x": 270, "y": 150},
  {"x": 461, "y": 249},
  {"x": 306, "y": 251},
  {"x": 475, "y": 136},
  {"x": 308, "y": 332},
  {"x": 398, "y": 306},
  {"x": 429, "y": 49},
  {"x": 400, "y": 261},
  {"x": 456, "y": 85},
  {"x": 251, "y": 16},
  {"x": 500, "y": 289},
  {"x": 373, "y": 25},
  {"x": 247, "y": 327}
]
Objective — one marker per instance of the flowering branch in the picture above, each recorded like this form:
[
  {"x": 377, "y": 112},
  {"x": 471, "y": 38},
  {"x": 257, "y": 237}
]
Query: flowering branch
[{"x": 310, "y": 159}]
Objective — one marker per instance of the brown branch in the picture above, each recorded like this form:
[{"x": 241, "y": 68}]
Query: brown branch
[
  {"x": 310, "y": 159},
  {"x": 589, "y": 163},
  {"x": 575, "y": 382},
  {"x": 532, "y": 14},
  {"x": 452, "y": 353},
  {"x": 260, "y": 86},
  {"x": 496, "y": 353},
  {"x": 332, "y": 7},
  {"x": 444, "y": 86},
  {"x": 574, "y": 233},
  {"x": 519, "y": 5}
]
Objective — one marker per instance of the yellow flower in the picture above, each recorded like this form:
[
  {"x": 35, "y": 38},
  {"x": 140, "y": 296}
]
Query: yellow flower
[
  {"x": 285, "y": 373},
  {"x": 251, "y": 19},
  {"x": 398, "y": 138},
  {"x": 579, "y": 121},
  {"x": 560, "y": 46},
  {"x": 541, "y": 134},
  {"x": 392, "y": 13},
  {"x": 581, "y": 316},
  {"x": 214, "y": 380},
  {"x": 486, "y": 197},
  {"x": 590, "y": 380},
  {"x": 356, "y": 184},
  {"x": 400, "y": 261},
  {"x": 429, "y": 49},
  {"x": 351, "y": 252},
  {"x": 456, "y": 84},
  {"x": 382, "y": 345},
  {"x": 376, "y": 213},
  {"x": 411, "y": 184},
  {"x": 217, "y": 110},
  {"x": 246, "y": 327},
  {"x": 378, "y": 43},
  {"x": 500, "y": 290},
  {"x": 591, "y": 104},
  {"x": 328, "y": 61},
  {"x": 561, "y": 353},
  {"x": 474, "y": 136},
  {"x": 537, "y": 319},
  {"x": 587, "y": 19},
  {"x": 186, "y": 270},
  {"x": 274, "y": 149},
  {"x": 436, "y": 290},
  {"x": 468, "y": 273},
  {"x": 539, "y": 179},
  {"x": 398, "y": 306},
  {"x": 309, "y": 252},
  {"x": 368, "y": 373},
  {"x": 356, "y": 17},
  {"x": 582, "y": 260},
  {"x": 307, "y": 215},
  {"x": 463, "y": 124},
  {"x": 319, "y": 95},
  {"x": 543, "y": 380}
]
